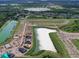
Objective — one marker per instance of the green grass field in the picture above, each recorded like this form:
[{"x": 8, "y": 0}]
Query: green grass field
[
  {"x": 73, "y": 26},
  {"x": 37, "y": 17}
]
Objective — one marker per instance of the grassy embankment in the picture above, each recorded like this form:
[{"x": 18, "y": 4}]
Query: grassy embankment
[
  {"x": 43, "y": 54},
  {"x": 59, "y": 45}
]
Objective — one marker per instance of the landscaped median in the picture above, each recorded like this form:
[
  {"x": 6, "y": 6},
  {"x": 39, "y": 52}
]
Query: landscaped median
[{"x": 58, "y": 45}]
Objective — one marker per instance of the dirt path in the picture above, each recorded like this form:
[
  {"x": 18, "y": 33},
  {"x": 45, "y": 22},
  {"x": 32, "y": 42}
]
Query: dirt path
[{"x": 66, "y": 38}]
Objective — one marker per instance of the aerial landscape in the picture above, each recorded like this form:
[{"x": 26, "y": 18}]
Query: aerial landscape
[{"x": 39, "y": 28}]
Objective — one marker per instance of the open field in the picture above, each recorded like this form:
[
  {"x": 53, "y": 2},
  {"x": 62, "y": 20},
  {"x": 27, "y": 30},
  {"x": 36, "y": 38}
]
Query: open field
[
  {"x": 48, "y": 22},
  {"x": 36, "y": 17},
  {"x": 71, "y": 27}
]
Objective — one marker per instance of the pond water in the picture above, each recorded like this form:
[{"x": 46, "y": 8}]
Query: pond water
[
  {"x": 43, "y": 41},
  {"x": 6, "y": 30},
  {"x": 37, "y": 9}
]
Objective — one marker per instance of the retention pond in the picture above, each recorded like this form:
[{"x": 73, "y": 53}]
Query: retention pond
[
  {"x": 6, "y": 30},
  {"x": 43, "y": 41}
]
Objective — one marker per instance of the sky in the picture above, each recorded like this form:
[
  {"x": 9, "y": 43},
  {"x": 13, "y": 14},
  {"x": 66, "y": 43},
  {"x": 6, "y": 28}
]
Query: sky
[
  {"x": 38, "y": 1},
  {"x": 33, "y": 0},
  {"x": 42, "y": 0}
]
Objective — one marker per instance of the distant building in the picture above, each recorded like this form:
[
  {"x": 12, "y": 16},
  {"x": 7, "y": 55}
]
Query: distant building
[
  {"x": 16, "y": 36},
  {"x": 22, "y": 50},
  {"x": 28, "y": 46},
  {"x": 75, "y": 16},
  {"x": 7, "y": 46}
]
